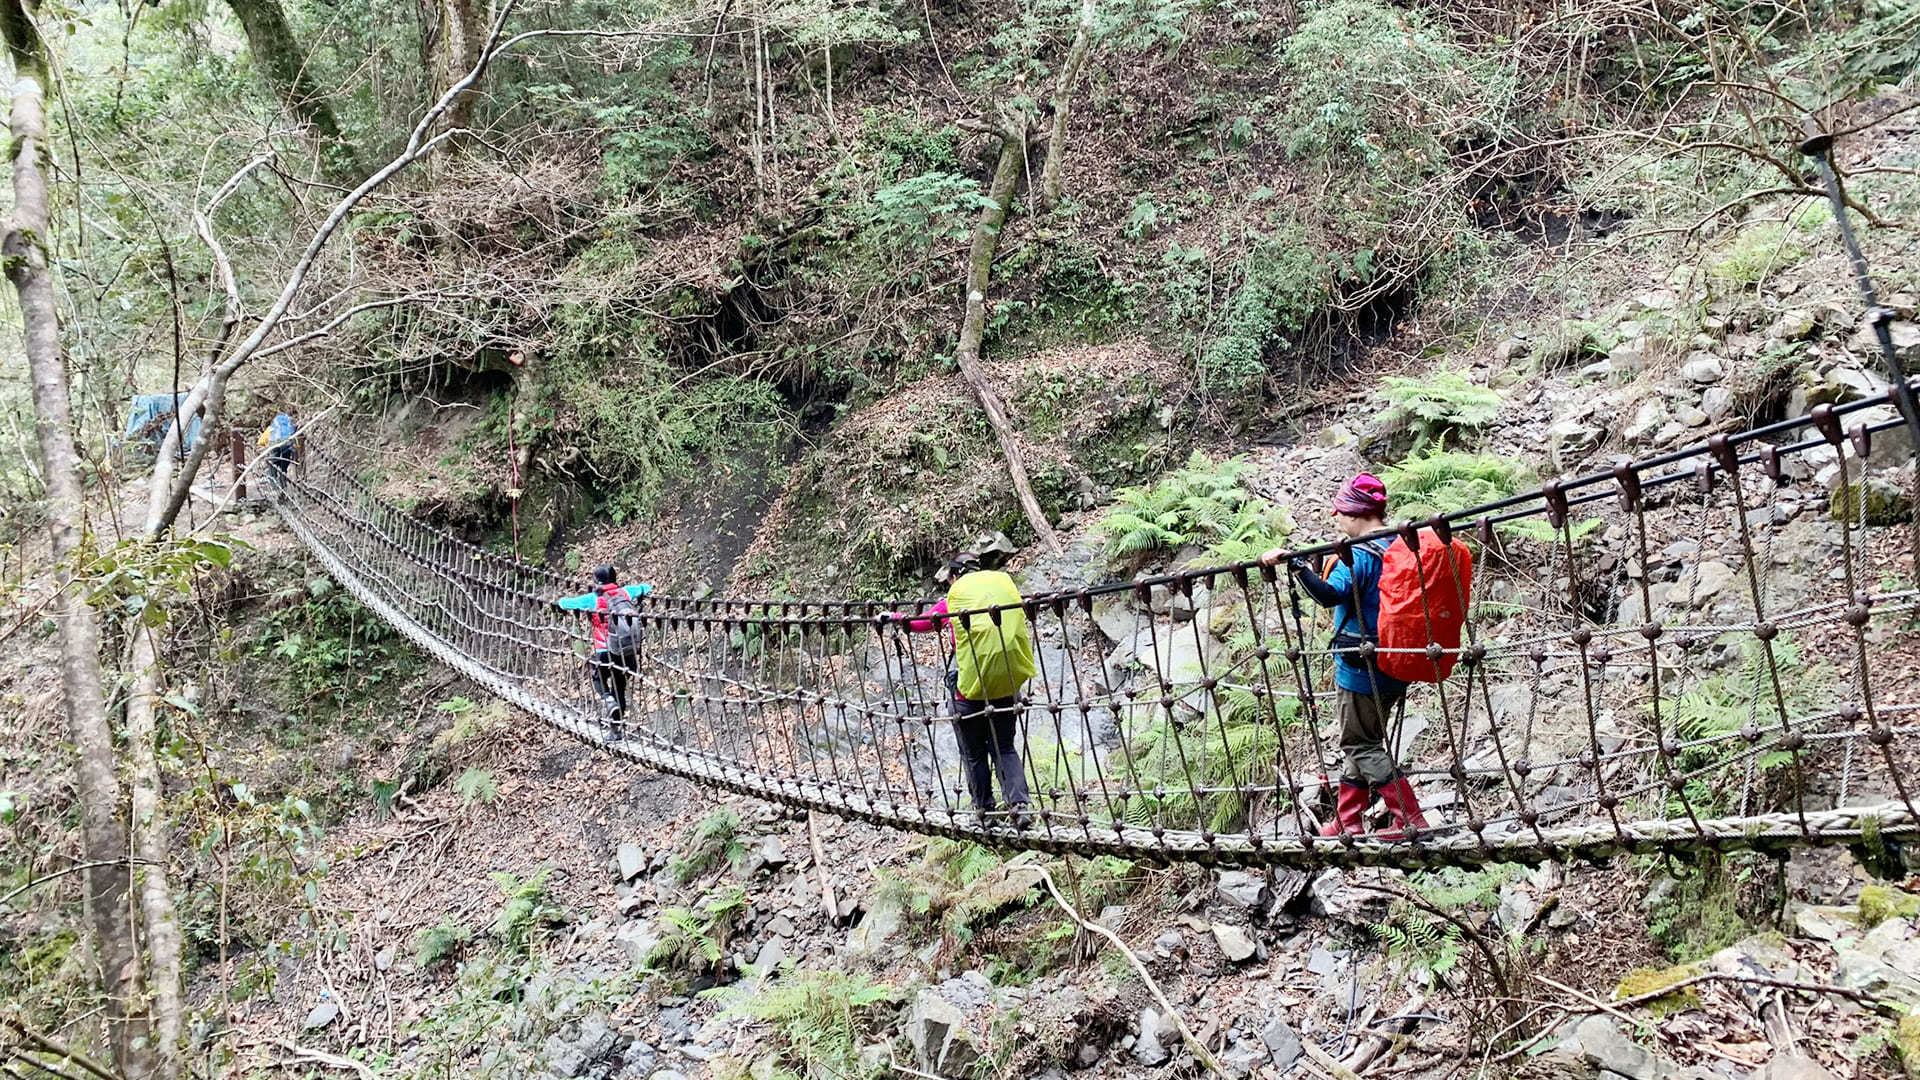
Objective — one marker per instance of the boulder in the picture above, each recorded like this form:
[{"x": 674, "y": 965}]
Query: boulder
[
  {"x": 1717, "y": 403},
  {"x": 1794, "y": 325},
  {"x": 1116, "y": 618},
  {"x": 569, "y": 1054},
  {"x": 1242, "y": 1058},
  {"x": 322, "y": 1014},
  {"x": 1571, "y": 440},
  {"x": 1824, "y": 923},
  {"x": 1649, "y": 418},
  {"x": 937, "y": 1032}
]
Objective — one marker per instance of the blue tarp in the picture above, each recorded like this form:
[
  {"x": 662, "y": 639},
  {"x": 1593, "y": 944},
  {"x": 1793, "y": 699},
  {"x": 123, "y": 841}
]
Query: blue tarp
[{"x": 150, "y": 407}]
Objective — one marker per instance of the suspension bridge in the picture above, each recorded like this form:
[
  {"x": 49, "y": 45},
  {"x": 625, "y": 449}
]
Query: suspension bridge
[{"x": 1698, "y": 650}]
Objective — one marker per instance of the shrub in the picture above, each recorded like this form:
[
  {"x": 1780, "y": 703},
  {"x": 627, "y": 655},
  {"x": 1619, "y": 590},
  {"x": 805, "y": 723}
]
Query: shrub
[
  {"x": 696, "y": 938},
  {"x": 1447, "y": 403},
  {"x": 1283, "y": 286}
]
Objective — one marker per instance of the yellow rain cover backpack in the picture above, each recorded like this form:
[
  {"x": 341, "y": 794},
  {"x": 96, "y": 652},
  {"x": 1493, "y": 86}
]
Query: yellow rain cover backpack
[{"x": 993, "y": 660}]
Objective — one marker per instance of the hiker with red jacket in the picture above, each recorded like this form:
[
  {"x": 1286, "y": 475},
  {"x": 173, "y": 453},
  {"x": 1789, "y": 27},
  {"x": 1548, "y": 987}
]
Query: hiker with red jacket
[
  {"x": 614, "y": 616},
  {"x": 1366, "y": 695}
]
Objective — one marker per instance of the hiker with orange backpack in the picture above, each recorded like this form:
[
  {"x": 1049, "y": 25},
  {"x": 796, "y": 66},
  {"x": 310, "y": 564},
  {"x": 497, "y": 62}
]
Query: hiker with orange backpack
[{"x": 1422, "y": 598}]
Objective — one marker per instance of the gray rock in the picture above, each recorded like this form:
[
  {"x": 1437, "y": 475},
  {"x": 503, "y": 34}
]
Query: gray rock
[
  {"x": 881, "y": 924},
  {"x": 383, "y": 960},
  {"x": 1691, "y": 416},
  {"x": 1703, "y": 368},
  {"x": 632, "y": 861},
  {"x": 1794, "y": 325},
  {"x": 1649, "y": 418},
  {"x": 1717, "y": 403},
  {"x": 1322, "y": 963},
  {"x": 326, "y": 1012},
  {"x": 1517, "y": 907},
  {"x": 668, "y": 1074},
  {"x": 1885, "y": 963},
  {"x": 636, "y": 939},
  {"x": 769, "y": 957},
  {"x": 1793, "y": 1067},
  {"x": 1116, "y": 618},
  {"x": 781, "y": 926},
  {"x": 1571, "y": 439},
  {"x": 1823, "y": 923},
  {"x": 570, "y": 1056},
  {"x": 639, "y": 1059},
  {"x": 937, "y": 1032},
  {"x": 1147, "y": 1047},
  {"x": 1243, "y": 888},
  {"x": 1242, "y": 1058},
  {"x": 1234, "y": 942},
  {"x": 1170, "y": 942},
  {"x": 1282, "y": 1043},
  {"x": 1610, "y": 1051}
]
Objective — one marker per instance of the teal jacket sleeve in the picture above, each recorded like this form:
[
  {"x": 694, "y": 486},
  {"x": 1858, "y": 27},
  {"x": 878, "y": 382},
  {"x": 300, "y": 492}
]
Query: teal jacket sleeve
[
  {"x": 639, "y": 590},
  {"x": 583, "y": 602}
]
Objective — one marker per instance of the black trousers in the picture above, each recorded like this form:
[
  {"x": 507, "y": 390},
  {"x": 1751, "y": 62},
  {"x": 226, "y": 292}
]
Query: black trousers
[
  {"x": 609, "y": 671},
  {"x": 278, "y": 459},
  {"x": 987, "y": 732}
]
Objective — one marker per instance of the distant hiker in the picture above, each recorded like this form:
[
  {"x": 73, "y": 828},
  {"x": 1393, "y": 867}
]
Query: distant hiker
[
  {"x": 1366, "y": 695},
  {"x": 614, "y": 616},
  {"x": 277, "y": 438},
  {"x": 992, "y": 660}
]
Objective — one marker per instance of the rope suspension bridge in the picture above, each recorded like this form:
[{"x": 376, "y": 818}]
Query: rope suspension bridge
[{"x": 1180, "y": 717}]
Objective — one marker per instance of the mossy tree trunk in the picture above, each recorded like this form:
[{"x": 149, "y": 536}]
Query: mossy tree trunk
[
  {"x": 1070, "y": 69},
  {"x": 102, "y": 836},
  {"x": 460, "y": 37},
  {"x": 1012, "y": 132},
  {"x": 284, "y": 66}
]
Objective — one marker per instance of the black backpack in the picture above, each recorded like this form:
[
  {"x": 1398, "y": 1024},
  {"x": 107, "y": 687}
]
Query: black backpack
[{"x": 623, "y": 624}]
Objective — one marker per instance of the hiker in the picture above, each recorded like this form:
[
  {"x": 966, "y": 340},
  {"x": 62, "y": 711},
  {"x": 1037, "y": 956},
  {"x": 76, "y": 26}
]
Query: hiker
[
  {"x": 616, "y": 638},
  {"x": 992, "y": 660},
  {"x": 1366, "y": 695},
  {"x": 277, "y": 439}
]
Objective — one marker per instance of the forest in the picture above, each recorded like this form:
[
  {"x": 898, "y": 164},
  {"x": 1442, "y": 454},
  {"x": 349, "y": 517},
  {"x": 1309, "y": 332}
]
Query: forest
[{"x": 791, "y": 300}]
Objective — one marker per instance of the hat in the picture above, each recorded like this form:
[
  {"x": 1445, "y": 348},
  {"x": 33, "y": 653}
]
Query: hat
[
  {"x": 603, "y": 574},
  {"x": 1362, "y": 496}
]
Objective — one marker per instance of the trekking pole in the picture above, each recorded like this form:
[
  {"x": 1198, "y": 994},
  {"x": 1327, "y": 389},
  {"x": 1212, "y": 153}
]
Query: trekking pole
[{"x": 1819, "y": 147}]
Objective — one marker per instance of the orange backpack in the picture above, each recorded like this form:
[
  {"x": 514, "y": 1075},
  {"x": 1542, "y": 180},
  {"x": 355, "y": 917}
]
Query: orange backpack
[{"x": 1412, "y": 617}]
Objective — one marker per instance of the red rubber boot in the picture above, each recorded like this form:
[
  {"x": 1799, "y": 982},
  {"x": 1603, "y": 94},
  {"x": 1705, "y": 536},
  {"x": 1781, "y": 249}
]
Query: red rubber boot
[
  {"x": 1404, "y": 806},
  {"x": 1349, "y": 805}
]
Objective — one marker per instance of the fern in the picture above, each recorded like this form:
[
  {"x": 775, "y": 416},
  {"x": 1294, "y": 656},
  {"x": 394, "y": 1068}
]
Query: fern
[
  {"x": 525, "y": 910},
  {"x": 1204, "y": 501},
  {"x": 439, "y": 942},
  {"x": 820, "y": 1019},
  {"x": 476, "y": 786},
  {"x": 712, "y": 840},
  {"x": 1221, "y": 751},
  {"x": 1447, "y": 402},
  {"x": 1441, "y": 482}
]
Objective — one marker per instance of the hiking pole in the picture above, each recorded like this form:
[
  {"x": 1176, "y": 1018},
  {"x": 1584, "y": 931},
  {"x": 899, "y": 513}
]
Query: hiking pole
[{"x": 1819, "y": 147}]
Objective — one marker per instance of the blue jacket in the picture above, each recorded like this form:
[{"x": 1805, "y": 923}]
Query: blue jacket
[
  {"x": 596, "y": 602},
  {"x": 1339, "y": 591}
]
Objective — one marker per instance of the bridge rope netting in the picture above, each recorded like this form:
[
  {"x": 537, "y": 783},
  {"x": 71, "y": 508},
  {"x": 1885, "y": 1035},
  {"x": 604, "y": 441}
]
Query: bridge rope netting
[{"x": 1696, "y": 650}]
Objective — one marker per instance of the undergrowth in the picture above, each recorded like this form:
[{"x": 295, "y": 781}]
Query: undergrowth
[
  {"x": 714, "y": 839},
  {"x": 820, "y": 1022},
  {"x": 1204, "y": 502}
]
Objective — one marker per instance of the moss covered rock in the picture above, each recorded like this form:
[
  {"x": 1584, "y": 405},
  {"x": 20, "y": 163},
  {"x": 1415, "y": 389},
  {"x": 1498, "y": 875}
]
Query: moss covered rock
[
  {"x": 1641, "y": 981},
  {"x": 1878, "y": 903},
  {"x": 1886, "y": 503},
  {"x": 1906, "y": 1044}
]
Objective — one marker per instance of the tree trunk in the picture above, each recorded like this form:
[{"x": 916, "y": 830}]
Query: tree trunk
[
  {"x": 1070, "y": 70},
  {"x": 973, "y": 325},
  {"x": 102, "y": 838},
  {"x": 460, "y": 36},
  {"x": 150, "y": 837},
  {"x": 283, "y": 64}
]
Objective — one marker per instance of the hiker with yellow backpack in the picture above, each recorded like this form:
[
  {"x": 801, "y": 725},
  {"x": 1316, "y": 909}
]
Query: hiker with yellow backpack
[{"x": 992, "y": 661}]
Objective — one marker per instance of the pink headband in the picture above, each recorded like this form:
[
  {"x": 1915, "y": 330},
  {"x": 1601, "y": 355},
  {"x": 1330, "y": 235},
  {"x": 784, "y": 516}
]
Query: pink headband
[{"x": 1362, "y": 496}]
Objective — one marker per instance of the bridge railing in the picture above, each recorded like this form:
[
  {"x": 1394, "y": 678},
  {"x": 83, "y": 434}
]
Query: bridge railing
[{"x": 1711, "y": 647}]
